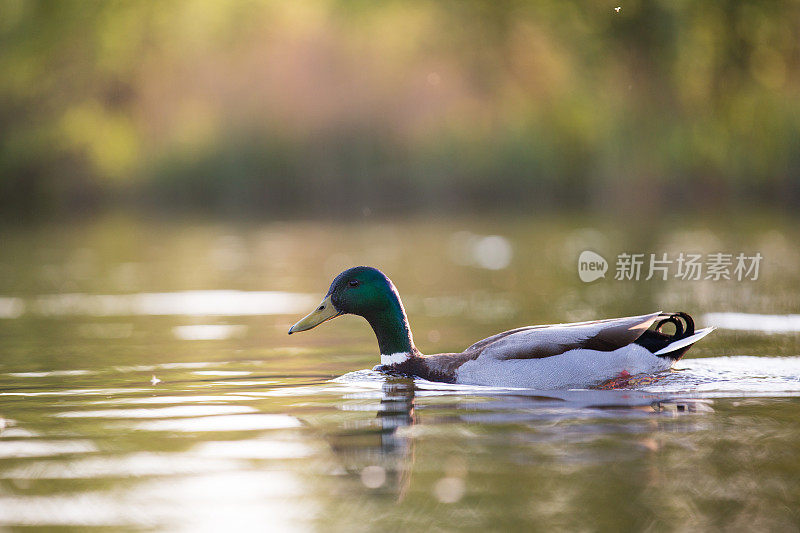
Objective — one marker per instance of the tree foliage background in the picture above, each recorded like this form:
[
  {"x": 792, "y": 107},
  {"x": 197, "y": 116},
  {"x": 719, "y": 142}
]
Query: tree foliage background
[{"x": 327, "y": 107}]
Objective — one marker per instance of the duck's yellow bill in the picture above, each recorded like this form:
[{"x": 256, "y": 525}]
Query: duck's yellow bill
[{"x": 324, "y": 312}]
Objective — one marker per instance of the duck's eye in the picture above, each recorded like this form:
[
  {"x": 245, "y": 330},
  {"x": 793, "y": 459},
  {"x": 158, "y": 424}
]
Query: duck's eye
[{"x": 353, "y": 283}]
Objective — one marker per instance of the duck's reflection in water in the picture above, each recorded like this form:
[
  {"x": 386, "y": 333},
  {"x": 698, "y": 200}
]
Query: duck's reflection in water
[
  {"x": 397, "y": 411},
  {"x": 397, "y": 449},
  {"x": 377, "y": 450}
]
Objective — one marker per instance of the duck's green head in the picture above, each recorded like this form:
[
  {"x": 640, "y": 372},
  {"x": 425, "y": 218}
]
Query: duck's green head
[
  {"x": 367, "y": 292},
  {"x": 357, "y": 291}
]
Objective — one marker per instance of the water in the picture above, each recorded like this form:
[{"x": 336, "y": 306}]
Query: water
[{"x": 147, "y": 383}]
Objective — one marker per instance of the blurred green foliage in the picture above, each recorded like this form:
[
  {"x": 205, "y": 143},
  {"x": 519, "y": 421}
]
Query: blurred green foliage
[{"x": 333, "y": 107}]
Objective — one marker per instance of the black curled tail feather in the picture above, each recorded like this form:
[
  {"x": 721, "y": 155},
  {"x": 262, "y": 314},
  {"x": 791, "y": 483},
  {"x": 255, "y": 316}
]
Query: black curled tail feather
[
  {"x": 684, "y": 325},
  {"x": 654, "y": 339}
]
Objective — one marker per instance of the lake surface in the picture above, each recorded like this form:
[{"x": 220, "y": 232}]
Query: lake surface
[{"x": 147, "y": 381}]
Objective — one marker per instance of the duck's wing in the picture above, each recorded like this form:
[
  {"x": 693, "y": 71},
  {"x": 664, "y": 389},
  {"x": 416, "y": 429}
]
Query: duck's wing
[{"x": 535, "y": 342}]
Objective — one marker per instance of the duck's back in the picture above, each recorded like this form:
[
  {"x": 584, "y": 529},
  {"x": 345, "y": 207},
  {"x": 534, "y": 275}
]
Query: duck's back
[
  {"x": 561, "y": 355},
  {"x": 539, "y": 342}
]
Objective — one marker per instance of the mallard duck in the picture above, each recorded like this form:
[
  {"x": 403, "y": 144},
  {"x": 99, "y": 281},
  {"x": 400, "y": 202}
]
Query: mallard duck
[{"x": 544, "y": 357}]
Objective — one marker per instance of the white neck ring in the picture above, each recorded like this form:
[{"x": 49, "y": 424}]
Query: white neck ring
[{"x": 395, "y": 358}]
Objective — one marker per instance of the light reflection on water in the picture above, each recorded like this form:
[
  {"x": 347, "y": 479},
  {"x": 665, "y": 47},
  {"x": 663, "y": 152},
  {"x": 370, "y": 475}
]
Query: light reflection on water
[
  {"x": 252, "y": 448},
  {"x": 186, "y": 303},
  {"x": 755, "y": 322}
]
